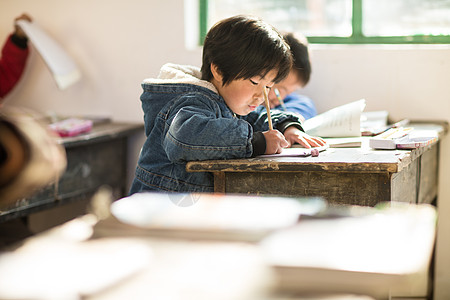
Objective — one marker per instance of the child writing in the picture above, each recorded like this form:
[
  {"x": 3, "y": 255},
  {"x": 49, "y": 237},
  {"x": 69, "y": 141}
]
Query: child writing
[{"x": 193, "y": 114}]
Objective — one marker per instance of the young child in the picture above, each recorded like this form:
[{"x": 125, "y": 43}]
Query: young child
[
  {"x": 297, "y": 78},
  {"x": 13, "y": 58},
  {"x": 193, "y": 114}
]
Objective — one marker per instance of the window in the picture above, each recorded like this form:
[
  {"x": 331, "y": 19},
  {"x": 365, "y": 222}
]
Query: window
[{"x": 343, "y": 21}]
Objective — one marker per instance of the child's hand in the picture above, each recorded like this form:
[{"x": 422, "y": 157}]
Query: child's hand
[
  {"x": 275, "y": 141},
  {"x": 294, "y": 135},
  {"x": 17, "y": 30}
]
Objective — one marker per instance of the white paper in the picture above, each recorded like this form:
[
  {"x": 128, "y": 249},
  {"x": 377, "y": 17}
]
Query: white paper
[
  {"x": 365, "y": 253},
  {"x": 374, "y": 119},
  {"x": 62, "y": 66},
  {"x": 295, "y": 152},
  {"x": 341, "y": 121},
  {"x": 344, "y": 142},
  {"x": 59, "y": 268}
]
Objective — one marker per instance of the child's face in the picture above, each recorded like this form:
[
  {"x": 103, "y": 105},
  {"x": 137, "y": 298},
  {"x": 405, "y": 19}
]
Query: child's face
[
  {"x": 288, "y": 85},
  {"x": 244, "y": 95}
]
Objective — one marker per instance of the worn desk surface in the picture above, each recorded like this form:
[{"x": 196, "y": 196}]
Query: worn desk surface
[
  {"x": 358, "y": 176},
  {"x": 93, "y": 159}
]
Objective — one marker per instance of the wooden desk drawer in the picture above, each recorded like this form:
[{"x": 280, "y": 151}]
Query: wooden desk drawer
[{"x": 87, "y": 169}]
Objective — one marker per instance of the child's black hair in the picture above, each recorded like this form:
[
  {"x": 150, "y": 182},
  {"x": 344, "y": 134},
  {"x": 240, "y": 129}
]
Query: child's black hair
[
  {"x": 243, "y": 47},
  {"x": 300, "y": 55}
]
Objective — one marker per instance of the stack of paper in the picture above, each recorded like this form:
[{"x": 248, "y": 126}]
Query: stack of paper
[
  {"x": 368, "y": 253},
  {"x": 204, "y": 216},
  {"x": 345, "y": 142},
  {"x": 417, "y": 139},
  {"x": 403, "y": 138}
]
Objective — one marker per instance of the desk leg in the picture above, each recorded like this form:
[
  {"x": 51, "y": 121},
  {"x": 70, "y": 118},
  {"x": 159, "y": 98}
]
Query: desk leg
[{"x": 219, "y": 182}]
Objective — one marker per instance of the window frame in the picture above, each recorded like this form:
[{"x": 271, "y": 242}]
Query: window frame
[{"x": 357, "y": 36}]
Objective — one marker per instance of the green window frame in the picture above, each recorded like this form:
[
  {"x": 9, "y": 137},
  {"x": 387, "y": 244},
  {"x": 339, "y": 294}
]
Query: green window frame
[{"x": 357, "y": 36}]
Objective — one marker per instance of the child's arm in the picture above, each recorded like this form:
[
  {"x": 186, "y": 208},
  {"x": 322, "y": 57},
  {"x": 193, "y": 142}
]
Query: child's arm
[
  {"x": 197, "y": 133},
  {"x": 287, "y": 123}
]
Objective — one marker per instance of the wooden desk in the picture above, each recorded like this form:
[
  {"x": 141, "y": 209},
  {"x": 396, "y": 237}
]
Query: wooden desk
[
  {"x": 77, "y": 260},
  {"x": 93, "y": 159},
  {"x": 355, "y": 176}
]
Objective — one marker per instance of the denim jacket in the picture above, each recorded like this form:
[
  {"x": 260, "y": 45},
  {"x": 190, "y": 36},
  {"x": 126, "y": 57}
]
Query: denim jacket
[{"x": 186, "y": 120}]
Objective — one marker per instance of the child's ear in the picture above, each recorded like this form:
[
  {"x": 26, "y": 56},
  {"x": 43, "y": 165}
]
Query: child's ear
[{"x": 216, "y": 73}]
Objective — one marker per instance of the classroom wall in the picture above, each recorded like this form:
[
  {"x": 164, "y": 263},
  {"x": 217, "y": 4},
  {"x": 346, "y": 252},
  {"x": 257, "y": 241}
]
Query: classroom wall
[
  {"x": 408, "y": 81},
  {"x": 117, "y": 44}
]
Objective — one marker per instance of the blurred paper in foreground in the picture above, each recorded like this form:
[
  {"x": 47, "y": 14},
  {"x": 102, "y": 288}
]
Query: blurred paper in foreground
[{"x": 62, "y": 66}]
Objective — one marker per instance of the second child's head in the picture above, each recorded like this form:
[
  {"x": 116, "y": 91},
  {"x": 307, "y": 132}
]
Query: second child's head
[
  {"x": 242, "y": 55},
  {"x": 299, "y": 76}
]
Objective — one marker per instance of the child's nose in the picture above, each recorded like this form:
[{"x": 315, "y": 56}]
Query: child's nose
[{"x": 259, "y": 96}]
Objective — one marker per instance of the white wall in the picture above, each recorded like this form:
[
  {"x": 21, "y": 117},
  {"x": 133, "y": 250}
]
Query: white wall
[
  {"x": 408, "y": 81},
  {"x": 115, "y": 43},
  {"x": 119, "y": 43}
]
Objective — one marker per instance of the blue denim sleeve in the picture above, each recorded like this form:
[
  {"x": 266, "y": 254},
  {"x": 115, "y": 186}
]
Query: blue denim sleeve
[{"x": 198, "y": 131}]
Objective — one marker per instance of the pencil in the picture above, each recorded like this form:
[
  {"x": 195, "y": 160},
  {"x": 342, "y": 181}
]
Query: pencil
[
  {"x": 277, "y": 93},
  {"x": 266, "y": 101}
]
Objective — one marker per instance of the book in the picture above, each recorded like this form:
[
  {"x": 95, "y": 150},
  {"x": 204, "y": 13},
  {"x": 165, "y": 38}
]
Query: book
[
  {"x": 417, "y": 139},
  {"x": 376, "y": 130},
  {"x": 71, "y": 127},
  {"x": 389, "y": 138},
  {"x": 341, "y": 121},
  {"x": 403, "y": 138},
  {"x": 372, "y": 252},
  {"x": 345, "y": 142},
  {"x": 412, "y": 143},
  {"x": 374, "y": 122},
  {"x": 204, "y": 216}
]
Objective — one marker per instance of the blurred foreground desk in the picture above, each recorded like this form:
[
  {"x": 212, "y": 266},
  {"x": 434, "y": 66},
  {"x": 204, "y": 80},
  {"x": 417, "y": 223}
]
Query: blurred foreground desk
[
  {"x": 377, "y": 252},
  {"x": 356, "y": 176},
  {"x": 93, "y": 159}
]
